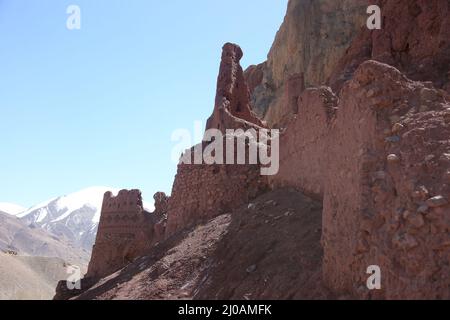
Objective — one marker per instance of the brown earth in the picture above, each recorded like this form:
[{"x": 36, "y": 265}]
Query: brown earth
[{"x": 269, "y": 249}]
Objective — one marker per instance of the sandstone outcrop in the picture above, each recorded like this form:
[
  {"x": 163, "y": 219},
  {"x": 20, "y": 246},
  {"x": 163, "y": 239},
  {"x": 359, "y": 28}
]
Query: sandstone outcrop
[
  {"x": 414, "y": 38},
  {"x": 232, "y": 108},
  {"x": 310, "y": 42}
]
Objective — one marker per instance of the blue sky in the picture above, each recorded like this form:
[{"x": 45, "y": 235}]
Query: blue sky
[{"x": 97, "y": 106}]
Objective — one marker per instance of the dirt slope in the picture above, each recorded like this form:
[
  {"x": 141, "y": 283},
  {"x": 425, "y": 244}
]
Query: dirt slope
[
  {"x": 272, "y": 251},
  {"x": 29, "y": 278},
  {"x": 269, "y": 249}
]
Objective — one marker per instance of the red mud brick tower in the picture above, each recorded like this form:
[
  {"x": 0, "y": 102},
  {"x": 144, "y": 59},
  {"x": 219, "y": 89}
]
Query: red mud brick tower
[{"x": 124, "y": 233}]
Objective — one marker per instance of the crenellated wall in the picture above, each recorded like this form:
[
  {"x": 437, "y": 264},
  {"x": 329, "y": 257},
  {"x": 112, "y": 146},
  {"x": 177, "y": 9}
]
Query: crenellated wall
[{"x": 124, "y": 233}]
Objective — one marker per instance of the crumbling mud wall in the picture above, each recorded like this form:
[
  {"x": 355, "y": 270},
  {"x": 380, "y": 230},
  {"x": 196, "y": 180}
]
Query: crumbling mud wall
[
  {"x": 125, "y": 232},
  {"x": 232, "y": 109},
  {"x": 385, "y": 201},
  {"x": 378, "y": 156},
  {"x": 202, "y": 192},
  {"x": 303, "y": 147}
]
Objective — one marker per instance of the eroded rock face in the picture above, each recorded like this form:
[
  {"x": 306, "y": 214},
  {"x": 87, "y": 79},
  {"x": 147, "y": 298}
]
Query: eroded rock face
[
  {"x": 310, "y": 42},
  {"x": 232, "y": 108},
  {"x": 414, "y": 38}
]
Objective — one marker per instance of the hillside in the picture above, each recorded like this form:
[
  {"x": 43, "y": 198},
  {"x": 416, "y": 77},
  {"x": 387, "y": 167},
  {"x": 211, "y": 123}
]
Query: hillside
[
  {"x": 29, "y": 278},
  {"x": 28, "y": 240}
]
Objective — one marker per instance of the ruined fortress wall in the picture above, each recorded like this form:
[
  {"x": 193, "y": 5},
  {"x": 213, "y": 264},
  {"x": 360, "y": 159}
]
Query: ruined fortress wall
[
  {"x": 387, "y": 187},
  {"x": 303, "y": 145},
  {"x": 201, "y": 192},
  {"x": 380, "y": 161},
  {"x": 125, "y": 231}
]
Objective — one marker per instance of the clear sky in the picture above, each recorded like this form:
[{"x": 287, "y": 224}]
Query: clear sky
[{"x": 97, "y": 106}]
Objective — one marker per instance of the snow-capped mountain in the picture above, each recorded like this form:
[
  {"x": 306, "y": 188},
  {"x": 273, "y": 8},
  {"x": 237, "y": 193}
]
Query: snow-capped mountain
[
  {"x": 10, "y": 208},
  {"x": 74, "y": 216}
]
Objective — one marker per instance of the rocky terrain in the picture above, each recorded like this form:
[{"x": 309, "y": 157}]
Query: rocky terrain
[{"x": 364, "y": 173}]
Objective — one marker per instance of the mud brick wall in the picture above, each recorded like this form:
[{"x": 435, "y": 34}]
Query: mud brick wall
[
  {"x": 201, "y": 192},
  {"x": 387, "y": 191},
  {"x": 379, "y": 157},
  {"x": 125, "y": 231},
  {"x": 303, "y": 146}
]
